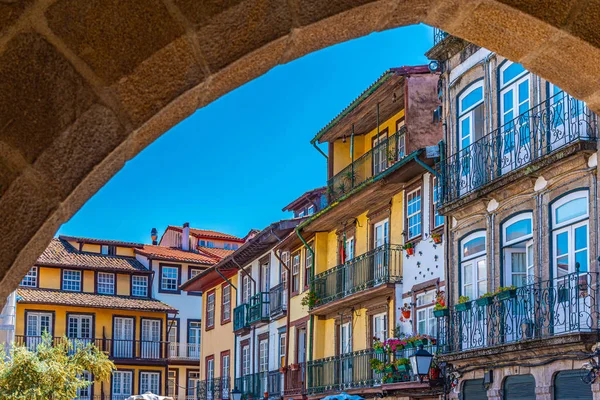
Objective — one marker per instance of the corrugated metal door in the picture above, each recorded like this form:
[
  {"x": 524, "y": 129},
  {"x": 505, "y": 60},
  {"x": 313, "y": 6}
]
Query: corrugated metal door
[
  {"x": 473, "y": 390},
  {"x": 519, "y": 387},
  {"x": 569, "y": 386}
]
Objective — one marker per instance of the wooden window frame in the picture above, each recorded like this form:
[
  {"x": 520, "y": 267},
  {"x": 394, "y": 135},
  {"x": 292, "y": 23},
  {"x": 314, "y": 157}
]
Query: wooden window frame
[
  {"x": 432, "y": 227},
  {"x": 409, "y": 190},
  {"x": 160, "y": 277},
  {"x": 295, "y": 291},
  {"x": 206, "y": 311},
  {"x": 307, "y": 265},
  {"x": 223, "y": 319}
]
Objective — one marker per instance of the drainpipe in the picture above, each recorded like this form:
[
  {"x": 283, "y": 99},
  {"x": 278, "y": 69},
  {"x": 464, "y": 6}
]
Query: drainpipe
[
  {"x": 312, "y": 275},
  {"x": 245, "y": 273},
  {"x": 320, "y": 151},
  {"x": 352, "y": 154},
  {"x": 225, "y": 279},
  {"x": 427, "y": 168}
]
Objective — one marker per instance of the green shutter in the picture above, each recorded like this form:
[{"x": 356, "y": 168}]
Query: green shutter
[
  {"x": 521, "y": 387},
  {"x": 473, "y": 390},
  {"x": 569, "y": 386}
]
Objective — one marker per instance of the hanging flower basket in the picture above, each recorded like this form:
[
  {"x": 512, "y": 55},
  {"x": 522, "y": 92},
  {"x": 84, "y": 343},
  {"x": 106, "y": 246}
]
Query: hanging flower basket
[
  {"x": 420, "y": 342},
  {"x": 441, "y": 313},
  {"x": 507, "y": 294},
  {"x": 388, "y": 369},
  {"x": 484, "y": 301},
  {"x": 406, "y": 314},
  {"x": 402, "y": 368},
  {"x": 463, "y": 306},
  {"x": 410, "y": 251}
]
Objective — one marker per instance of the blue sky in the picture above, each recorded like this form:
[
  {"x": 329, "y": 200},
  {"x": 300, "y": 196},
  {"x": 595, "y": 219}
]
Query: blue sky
[{"x": 234, "y": 164}]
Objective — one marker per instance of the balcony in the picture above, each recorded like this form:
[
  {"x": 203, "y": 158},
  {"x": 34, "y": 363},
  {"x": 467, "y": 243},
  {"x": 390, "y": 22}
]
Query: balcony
[
  {"x": 295, "y": 379},
  {"x": 438, "y": 36},
  {"x": 213, "y": 389},
  {"x": 240, "y": 318},
  {"x": 369, "y": 165},
  {"x": 548, "y": 132},
  {"x": 258, "y": 309},
  {"x": 358, "y": 276},
  {"x": 116, "y": 349},
  {"x": 252, "y": 386},
  {"x": 275, "y": 384},
  {"x": 542, "y": 310},
  {"x": 278, "y": 301},
  {"x": 184, "y": 351}
]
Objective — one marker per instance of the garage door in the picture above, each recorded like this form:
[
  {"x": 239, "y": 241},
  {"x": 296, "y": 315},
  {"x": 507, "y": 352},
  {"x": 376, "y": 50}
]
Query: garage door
[
  {"x": 519, "y": 387},
  {"x": 569, "y": 386},
  {"x": 473, "y": 390}
]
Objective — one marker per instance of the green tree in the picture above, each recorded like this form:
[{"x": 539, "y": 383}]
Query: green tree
[{"x": 53, "y": 371}]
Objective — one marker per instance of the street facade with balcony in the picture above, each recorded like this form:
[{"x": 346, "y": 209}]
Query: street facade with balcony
[{"x": 519, "y": 175}]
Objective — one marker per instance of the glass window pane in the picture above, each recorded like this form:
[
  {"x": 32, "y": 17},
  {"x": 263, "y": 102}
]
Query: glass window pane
[
  {"x": 517, "y": 262},
  {"x": 581, "y": 257},
  {"x": 581, "y": 238},
  {"x": 562, "y": 243},
  {"x": 518, "y": 229},
  {"x": 507, "y": 97},
  {"x": 472, "y": 98},
  {"x": 511, "y": 72},
  {"x": 562, "y": 265},
  {"x": 482, "y": 287},
  {"x": 468, "y": 274},
  {"x": 481, "y": 270},
  {"x": 571, "y": 210},
  {"x": 474, "y": 246}
]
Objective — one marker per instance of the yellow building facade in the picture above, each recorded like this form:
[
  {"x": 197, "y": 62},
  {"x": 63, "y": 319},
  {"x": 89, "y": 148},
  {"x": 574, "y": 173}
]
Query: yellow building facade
[{"x": 98, "y": 293}]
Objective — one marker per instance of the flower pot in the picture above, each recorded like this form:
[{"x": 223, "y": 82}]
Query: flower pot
[
  {"x": 507, "y": 294},
  {"x": 441, "y": 313},
  {"x": 484, "y": 301},
  {"x": 402, "y": 368},
  {"x": 410, "y": 345},
  {"x": 406, "y": 314},
  {"x": 437, "y": 239},
  {"x": 463, "y": 306},
  {"x": 399, "y": 353},
  {"x": 434, "y": 373},
  {"x": 388, "y": 369},
  {"x": 294, "y": 367},
  {"x": 379, "y": 351},
  {"x": 410, "y": 251},
  {"x": 421, "y": 342}
]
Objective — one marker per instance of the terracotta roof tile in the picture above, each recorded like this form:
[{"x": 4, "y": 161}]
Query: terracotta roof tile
[
  {"x": 57, "y": 297},
  {"x": 218, "y": 253},
  {"x": 79, "y": 239},
  {"x": 61, "y": 253},
  {"x": 170, "y": 253},
  {"x": 206, "y": 233}
]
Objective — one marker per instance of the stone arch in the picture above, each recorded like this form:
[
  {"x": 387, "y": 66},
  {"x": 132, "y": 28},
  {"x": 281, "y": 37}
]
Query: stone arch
[{"x": 86, "y": 85}]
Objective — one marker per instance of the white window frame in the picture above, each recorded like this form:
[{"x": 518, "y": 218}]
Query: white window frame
[
  {"x": 282, "y": 339},
  {"x": 473, "y": 260},
  {"x": 226, "y": 302},
  {"x": 513, "y": 220},
  {"x": 383, "y": 335},
  {"x": 566, "y": 199},
  {"x": 79, "y": 326},
  {"x": 467, "y": 113},
  {"x": 263, "y": 355},
  {"x": 121, "y": 389},
  {"x": 106, "y": 283},
  {"x": 152, "y": 381},
  {"x": 417, "y": 214},
  {"x": 210, "y": 310},
  {"x": 31, "y": 278},
  {"x": 70, "y": 283},
  {"x": 167, "y": 279},
  {"x": 350, "y": 248},
  {"x": 296, "y": 257},
  {"x": 570, "y": 226},
  {"x": 246, "y": 359},
  {"x": 311, "y": 210},
  {"x": 436, "y": 191},
  {"x": 137, "y": 285}
]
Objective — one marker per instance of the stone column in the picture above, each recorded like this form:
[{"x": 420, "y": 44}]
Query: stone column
[
  {"x": 596, "y": 391},
  {"x": 494, "y": 394},
  {"x": 543, "y": 392}
]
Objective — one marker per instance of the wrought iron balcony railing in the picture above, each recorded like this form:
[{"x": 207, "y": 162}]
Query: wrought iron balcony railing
[
  {"x": 240, "y": 317},
  {"x": 380, "y": 265},
  {"x": 438, "y": 35},
  {"x": 295, "y": 380},
  {"x": 540, "y": 310},
  {"x": 367, "y": 166},
  {"x": 258, "y": 310},
  {"x": 252, "y": 386},
  {"x": 278, "y": 300},
  {"x": 544, "y": 129},
  {"x": 275, "y": 384},
  {"x": 184, "y": 351},
  {"x": 116, "y": 349},
  {"x": 213, "y": 389}
]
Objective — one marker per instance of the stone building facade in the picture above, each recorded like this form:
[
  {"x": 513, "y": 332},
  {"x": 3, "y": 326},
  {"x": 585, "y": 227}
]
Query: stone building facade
[{"x": 520, "y": 195}]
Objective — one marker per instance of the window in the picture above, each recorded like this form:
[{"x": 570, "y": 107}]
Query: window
[
  {"x": 234, "y": 246},
  {"x": 30, "y": 280},
  {"x": 282, "y": 339},
  {"x": 517, "y": 249},
  {"x": 263, "y": 356},
  {"x": 139, "y": 285},
  {"x": 192, "y": 272},
  {"x": 245, "y": 359},
  {"x": 150, "y": 382},
  {"x": 202, "y": 243},
  {"x": 172, "y": 383},
  {"x": 106, "y": 283},
  {"x": 173, "y": 328},
  {"x": 350, "y": 246},
  {"x": 380, "y": 326},
  {"x": 296, "y": 272},
  {"x": 470, "y": 120},
  {"x": 122, "y": 384},
  {"x": 473, "y": 266},
  {"x": 85, "y": 393},
  {"x": 169, "y": 280},
  {"x": 210, "y": 245},
  {"x": 38, "y": 323},
  {"x": 413, "y": 200},
  {"x": 210, "y": 310},
  {"x": 401, "y": 139},
  {"x": 80, "y": 327},
  {"x": 426, "y": 321},
  {"x": 301, "y": 214},
  {"x": 308, "y": 257},
  {"x": 193, "y": 384},
  {"x": 108, "y": 250},
  {"x": 227, "y": 246},
  {"x": 285, "y": 257},
  {"x": 246, "y": 289},
  {"x": 438, "y": 220},
  {"x": 226, "y": 304},
  {"x": 72, "y": 280},
  {"x": 194, "y": 339},
  {"x": 570, "y": 237},
  {"x": 311, "y": 210}
]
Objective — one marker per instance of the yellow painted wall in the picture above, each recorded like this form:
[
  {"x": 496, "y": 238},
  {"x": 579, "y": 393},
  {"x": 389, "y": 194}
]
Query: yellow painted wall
[
  {"x": 362, "y": 143},
  {"x": 89, "y": 247},
  {"x": 105, "y": 386},
  {"x": 125, "y": 251},
  {"x": 397, "y": 219},
  {"x": 49, "y": 278},
  {"x": 88, "y": 281},
  {"x": 221, "y": 337},
  {"x": 123, "y": 284}
]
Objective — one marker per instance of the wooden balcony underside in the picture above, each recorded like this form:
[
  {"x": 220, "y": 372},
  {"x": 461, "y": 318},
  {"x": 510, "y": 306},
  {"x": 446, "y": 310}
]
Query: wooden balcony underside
[{"x": 363, "y": 298}]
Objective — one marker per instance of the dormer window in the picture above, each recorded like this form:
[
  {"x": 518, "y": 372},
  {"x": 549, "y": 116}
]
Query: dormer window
[
  {"x": 311, "y": 210},
  {"x": 202, "y": 243},
  {"x": 106, "y": 283},
  {"x": 71, "y": 280},
  {"x": 108, "y": 250},
  {"x": 30, "y": 280}
]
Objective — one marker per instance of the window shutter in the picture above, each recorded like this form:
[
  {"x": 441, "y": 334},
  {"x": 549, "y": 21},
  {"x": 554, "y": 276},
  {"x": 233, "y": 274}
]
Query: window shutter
[
  {"x": 568, "y": 385},
  {"x": 519, "y": 387},
  {"x": 473, "y": 390}
]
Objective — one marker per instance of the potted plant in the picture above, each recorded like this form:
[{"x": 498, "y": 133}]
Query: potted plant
[
  {"x": 378, "y": 346},
  {"x": 402, "y": 364},
  {"x": 421, "y": 340},
  {"x": 310, "y": 299},
  {"x": 410, "y": 248},
  {"x": 440, "y": 309},
  {"x": 434, "y": 370},
  {"x": 377, "y": 365},
  {"x": 464, "y": 303},
  {"x": 294, "y": 367},
  {"x": 436, "y": 237},
  {"x": 282, "y": 370},
  {"x": 405, "y": 309},
  {"x": 506, "y": 292},
  {"x": 485, "y": 299}
]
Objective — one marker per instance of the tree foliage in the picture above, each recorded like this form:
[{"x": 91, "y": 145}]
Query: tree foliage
[{"x": 51, "y": 371}]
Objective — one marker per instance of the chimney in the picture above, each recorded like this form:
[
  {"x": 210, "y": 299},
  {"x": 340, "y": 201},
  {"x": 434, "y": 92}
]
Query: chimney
[
  {"x": 185, "y": 237},
  {"x": 154, "y": 236}
]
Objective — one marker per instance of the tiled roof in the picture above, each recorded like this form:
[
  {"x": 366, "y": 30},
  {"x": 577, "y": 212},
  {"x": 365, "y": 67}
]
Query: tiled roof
[
  {"x": 60, "y": 253},
  {"x": 170, "y": 253},
  {"x": 218, "y": 253},
  {"x": 57, "y": 297},
  {"x": 100, "y": 241},
  {"x": 205, "y": 233}
]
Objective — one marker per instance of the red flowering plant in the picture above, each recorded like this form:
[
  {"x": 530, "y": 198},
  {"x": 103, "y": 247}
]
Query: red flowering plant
[
  {"x": 440, "y": 301},
  {"x": 393, "y": 345}
]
